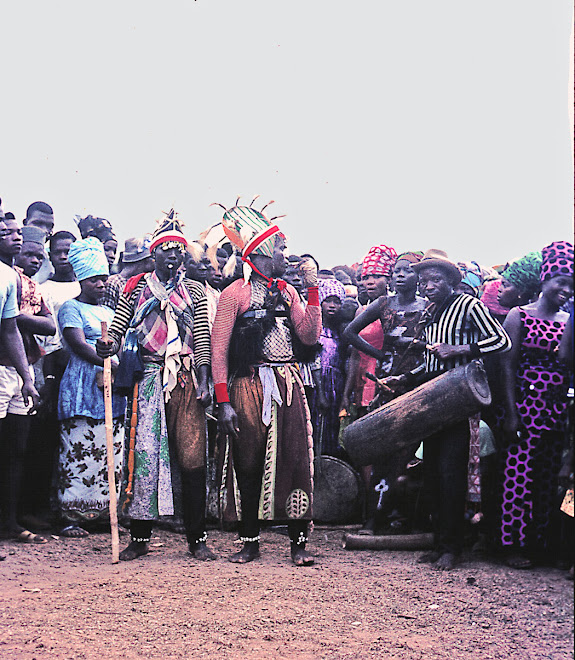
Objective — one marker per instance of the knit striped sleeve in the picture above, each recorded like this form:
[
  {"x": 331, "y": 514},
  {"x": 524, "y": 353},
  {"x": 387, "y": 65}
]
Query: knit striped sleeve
[
  {"x": 494, "y": 338},
  {"x": 202, "y": 344},
  {"x": 123, "y": 315}
]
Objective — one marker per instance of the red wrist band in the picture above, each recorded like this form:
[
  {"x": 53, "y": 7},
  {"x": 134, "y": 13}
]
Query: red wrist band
[
  {"x": 313, "y": 296},
  {"x": 221, "y": 392}
]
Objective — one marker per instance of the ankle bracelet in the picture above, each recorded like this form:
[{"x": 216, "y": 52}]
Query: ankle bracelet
[
  {"x": 249, "y": 539},
  {"x": 135, "y": 540},
  {"x": 302, "y": 539},
  {"x": 203, "y": 538}
]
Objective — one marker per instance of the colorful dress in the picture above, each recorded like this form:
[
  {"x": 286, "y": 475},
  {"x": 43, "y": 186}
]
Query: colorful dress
[
  {"x": 83, "y": 493},
  {"x": 532, "y": 463},
  {"x": 326, "y": 422}
]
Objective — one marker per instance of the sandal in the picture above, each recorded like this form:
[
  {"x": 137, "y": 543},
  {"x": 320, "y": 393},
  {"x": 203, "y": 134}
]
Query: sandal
[
  {"x": 74, "y": 532},
  {"x": 26, "y": 536}
]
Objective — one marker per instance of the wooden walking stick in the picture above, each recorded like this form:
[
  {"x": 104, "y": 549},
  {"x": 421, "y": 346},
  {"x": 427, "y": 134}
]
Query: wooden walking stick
[{"x": 110, "y": 451}]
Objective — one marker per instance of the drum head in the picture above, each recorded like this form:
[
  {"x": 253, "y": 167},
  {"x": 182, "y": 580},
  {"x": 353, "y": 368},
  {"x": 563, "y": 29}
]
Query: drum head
[
  {"x": 478, "y": 383},
  {"x": 338, "y": 491}
]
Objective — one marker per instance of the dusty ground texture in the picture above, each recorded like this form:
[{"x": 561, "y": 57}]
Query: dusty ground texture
[{"x": 66, "y": 600}]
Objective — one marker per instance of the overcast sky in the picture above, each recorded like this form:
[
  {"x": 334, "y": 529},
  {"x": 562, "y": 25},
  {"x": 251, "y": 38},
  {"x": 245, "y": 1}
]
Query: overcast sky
[{"x": 415, "y": 123}]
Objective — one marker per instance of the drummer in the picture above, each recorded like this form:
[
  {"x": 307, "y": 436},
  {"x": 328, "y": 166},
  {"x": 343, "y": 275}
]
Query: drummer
[{"x": 458, "y": 329}]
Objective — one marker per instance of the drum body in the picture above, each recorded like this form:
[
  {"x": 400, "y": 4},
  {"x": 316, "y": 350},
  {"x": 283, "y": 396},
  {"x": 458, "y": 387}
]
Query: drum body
[
  {"x": 338, "y": 491},
  {"x": 414, "y": 416}
]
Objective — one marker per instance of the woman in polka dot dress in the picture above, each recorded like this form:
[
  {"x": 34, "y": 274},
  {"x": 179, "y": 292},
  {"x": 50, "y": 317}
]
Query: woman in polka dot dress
[{"x": 536, "y": 411}]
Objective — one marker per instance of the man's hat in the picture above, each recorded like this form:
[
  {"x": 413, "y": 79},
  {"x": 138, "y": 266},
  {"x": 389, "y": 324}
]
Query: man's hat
[
  {"x": 32, "y": 234},
  {"x": 168, "y": 233},
  {"x": 438, "y": 259},
  {"x": 136, "y": 249}
]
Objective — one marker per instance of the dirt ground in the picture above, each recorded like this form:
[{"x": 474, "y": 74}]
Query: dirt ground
[{"x": 66, "y": 600}]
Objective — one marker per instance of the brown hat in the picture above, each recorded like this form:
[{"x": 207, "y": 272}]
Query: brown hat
[
  {"x": 136, "y": 249},
  {"x": 438, "y": 259}
]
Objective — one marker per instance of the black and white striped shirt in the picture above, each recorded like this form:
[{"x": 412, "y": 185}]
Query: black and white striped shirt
[{"x": 459, "y": 320}]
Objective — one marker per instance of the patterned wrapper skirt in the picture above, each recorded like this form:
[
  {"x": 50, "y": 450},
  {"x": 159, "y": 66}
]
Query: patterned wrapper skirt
[
  {"x": 284, "y": 448},
  {"x": 163, "y": 430},
  {"x": 83, "y": 494}
]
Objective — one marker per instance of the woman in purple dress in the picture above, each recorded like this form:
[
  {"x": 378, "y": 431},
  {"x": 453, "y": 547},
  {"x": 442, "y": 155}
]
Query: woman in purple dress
[
  {"x": 536, "y": 411},
  {"x": 327, "y": 400}
]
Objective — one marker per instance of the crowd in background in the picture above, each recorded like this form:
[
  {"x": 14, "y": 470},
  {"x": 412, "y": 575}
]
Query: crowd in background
[{"x": 56, "y": 289}]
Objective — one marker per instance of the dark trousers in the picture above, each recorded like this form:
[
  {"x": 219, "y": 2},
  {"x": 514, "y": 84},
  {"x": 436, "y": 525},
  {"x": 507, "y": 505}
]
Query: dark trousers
[
  {"x": 445, "y": 462},
  {"x": 193, "y": 484}
]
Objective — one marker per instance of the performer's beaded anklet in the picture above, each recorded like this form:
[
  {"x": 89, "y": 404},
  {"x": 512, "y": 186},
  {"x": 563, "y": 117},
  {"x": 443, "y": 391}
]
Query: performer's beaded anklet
[
  {"x": 250, "y": 539},
  {"x": 199, "y": 549},
  {"x": 301, "y": 540}
]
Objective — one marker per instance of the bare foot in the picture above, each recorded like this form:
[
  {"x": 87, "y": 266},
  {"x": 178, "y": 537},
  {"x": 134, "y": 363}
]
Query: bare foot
[
  {"x": 201, "y": 551},
  {"x": 446, "y": 562},
  {"x": 429, "y": 557},
  {"x": 301, "y": 557},
  {"x": 249, "y": 552},
  {"x": 134, "y": 550}
]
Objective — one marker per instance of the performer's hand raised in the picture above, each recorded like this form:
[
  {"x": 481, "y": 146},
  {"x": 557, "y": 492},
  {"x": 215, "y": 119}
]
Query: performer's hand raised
[
  {"x": 228, "y": 420},
  {"x": 308, "y": 271}
]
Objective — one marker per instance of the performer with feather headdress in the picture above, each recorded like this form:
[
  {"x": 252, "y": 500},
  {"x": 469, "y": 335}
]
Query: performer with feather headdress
[{"x": 260, "y": 330}]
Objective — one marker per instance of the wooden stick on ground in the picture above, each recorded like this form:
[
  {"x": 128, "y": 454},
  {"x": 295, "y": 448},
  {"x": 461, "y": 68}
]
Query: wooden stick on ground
[{"x": 110, "y": 451}]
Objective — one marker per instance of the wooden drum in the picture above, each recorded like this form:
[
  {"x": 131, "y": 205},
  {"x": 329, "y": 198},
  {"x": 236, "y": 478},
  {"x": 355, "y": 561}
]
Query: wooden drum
[
  {"x": 338, "y": 491},
  {"x": 414, "y": 416}
]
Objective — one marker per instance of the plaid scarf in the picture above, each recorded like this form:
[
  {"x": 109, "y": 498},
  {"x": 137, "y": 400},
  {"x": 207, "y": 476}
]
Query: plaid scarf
[{"x": 165, "y": 319}]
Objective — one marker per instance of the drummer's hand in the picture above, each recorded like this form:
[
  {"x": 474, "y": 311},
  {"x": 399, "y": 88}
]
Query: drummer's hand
[
  {"x": 445, "y": 351},
  {"x": 228, "y": 420},
  {"x": 104, "y": 348},
  {"x": 392, "y": 381}
]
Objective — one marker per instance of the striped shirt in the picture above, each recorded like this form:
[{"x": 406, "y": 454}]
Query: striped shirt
[
  {"x": 462, "y": 319},
  {"x": 201, "y": 329}
]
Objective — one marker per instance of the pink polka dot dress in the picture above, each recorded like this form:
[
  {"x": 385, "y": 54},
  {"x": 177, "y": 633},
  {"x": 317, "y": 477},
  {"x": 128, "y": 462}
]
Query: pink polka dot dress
[{"x": 532, "y": 463}]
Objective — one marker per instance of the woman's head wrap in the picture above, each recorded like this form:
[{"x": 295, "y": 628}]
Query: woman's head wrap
[
  {"x": 88, "y": 258},
  {"x": 92, "y": 226},
  {"x": 169, "y": 233},
  {"x": 489, "y": 298},
  {"x": 525, "y": 273},
  {"x": 471, "y": 274},
  {"x": 557, "y": 260},
  {"x": 379, "y": 260},
  {"x": 329, "y": 288},
  {"x": 412, "y": 257}
]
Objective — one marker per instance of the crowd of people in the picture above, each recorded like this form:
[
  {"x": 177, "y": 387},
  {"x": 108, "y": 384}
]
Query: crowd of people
[{"x": 231, "y": 356}]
